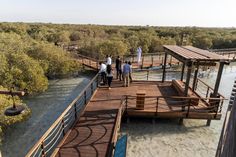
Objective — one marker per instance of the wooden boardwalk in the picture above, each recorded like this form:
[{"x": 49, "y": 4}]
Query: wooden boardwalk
[{"x": 95, "y": 131}]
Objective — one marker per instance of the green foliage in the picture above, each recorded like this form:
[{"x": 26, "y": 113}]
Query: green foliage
[
  {"x": 55, "y": 61},
  {"x": 24, "y": 73},
  {"x": 113, "y": 48},
  {"x": 202, "y": 41}
]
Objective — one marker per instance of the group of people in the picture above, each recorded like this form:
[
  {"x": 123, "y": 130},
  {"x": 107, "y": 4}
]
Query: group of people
[{"x": 123, "y": 70}]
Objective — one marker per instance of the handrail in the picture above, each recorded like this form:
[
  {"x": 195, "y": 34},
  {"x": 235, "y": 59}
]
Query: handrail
[
  {"x": 144, "y": 54},
  {"x": 60, "y": 119},
  {"x": 176, "y": 97},
  {"x": 215, "y": 107},
  {"x": 208, "y": 86}
]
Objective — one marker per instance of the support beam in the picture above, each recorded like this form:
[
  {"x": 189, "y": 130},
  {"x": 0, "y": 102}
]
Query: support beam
[
  {"x": 182, "y": 72},
  {"x": 164, "y": 68},
  {"x": 208, "y": 122},
  {"x": 217, "y": 84},
  {"x": 195, "y": 77},
  {"x": 189, "y": 65}
]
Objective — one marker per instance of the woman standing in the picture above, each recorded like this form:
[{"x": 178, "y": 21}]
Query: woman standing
[{"x": 109, "y": 76}]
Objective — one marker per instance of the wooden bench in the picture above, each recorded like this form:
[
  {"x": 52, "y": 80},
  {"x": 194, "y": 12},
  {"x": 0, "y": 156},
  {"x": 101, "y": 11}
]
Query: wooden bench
[{"x": 180, "y": 87}]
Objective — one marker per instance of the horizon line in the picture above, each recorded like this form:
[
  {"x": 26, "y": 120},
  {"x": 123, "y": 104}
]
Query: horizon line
[{"x": 118, "y": 25}]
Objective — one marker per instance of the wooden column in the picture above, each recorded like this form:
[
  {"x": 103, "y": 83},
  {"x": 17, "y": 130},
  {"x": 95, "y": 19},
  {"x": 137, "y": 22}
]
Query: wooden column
[
  {"x": 189, "y": 65},
  {"x": 217, "y": 84},
  {"x": 164, "y": 68},
  {"x": 182, "y": 72},
  {"x": 195, "y": 77}
]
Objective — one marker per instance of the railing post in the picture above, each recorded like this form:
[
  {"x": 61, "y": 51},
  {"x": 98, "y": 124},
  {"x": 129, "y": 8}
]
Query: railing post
[
  {"x": 156, "y": 107},
  {"x": 85, "y": 98},
  {"x": 189, "y": 104},
  {"x": 75, "y": 109},
  {"x": 147, "y": 74},
  {"x": 207, "y": 92},
  {"x": 63, "y": 127},
  {"x": 43, "y": 151},
  {"x": 196, "y": 84},
  {"x": 152, "y": 60},
  {"x": 97, "y": 80},
  {"x": 126, "y": 103},
  {"x": 142, "y": 62},
  {"x": 91, "y": 86}
]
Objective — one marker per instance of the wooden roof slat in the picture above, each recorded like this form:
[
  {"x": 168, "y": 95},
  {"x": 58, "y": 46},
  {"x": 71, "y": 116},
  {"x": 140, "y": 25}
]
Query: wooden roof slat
[{"x": 195, "y": 54}]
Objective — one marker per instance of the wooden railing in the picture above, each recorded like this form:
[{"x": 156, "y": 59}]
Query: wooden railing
[
  {"x": 178, "y": 104},
  {"x": 88, "y": 61},
  {"x": 151, "y": 59},
  {"x": 51, "y": 138},
  {"x": 204, "y": 89},
  {"x": 154, "y": 75},
  {"x": 148, "y": 60}
]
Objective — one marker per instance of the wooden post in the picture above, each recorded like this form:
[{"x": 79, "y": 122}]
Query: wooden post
[
  {"x": 218, "y": 79},
  {"x": 63, "y": 127},
  {"x": 188, "y": 107},
  {"x": 75, "y": 105},
  {"x": 147, "y": 74},
  {"x": 207, "y": 92},
  {"x": 42, "y": 147},
  {"x": 91, "y": 89},
  {"x": 156, "y": 107},
  {"x": 85, "y": 97},
  {"x": 189, "y": 65},
  {"x": 142, "y": 62},
  {"x": 164, "y": 68},
  {"x": 140, "y": 100},
  {"x": 152, "y": 61},
  {"x": 195, "y": 77},
  {"x": 182, "y": 72},
  {"x": 170, "y": 61}
]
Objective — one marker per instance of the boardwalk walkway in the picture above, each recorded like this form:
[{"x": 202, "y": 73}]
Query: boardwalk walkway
[{"x": 94, "y": 132}]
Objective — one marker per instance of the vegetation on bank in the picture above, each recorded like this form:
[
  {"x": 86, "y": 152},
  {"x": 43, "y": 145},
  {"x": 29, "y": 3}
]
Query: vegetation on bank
[{"x": 27, "y": 64}]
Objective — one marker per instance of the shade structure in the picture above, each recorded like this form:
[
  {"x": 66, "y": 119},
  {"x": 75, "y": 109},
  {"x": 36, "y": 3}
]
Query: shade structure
[{"x": 193, "y": 54}]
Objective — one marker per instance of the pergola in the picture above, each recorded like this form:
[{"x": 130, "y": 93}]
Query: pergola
[{"x": 191, "y": 56}]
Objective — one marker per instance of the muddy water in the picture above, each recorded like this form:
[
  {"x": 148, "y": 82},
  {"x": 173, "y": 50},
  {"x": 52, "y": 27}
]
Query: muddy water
[
  {"x": 46, "y": 108},
  {"x": 166, "y": 138}
]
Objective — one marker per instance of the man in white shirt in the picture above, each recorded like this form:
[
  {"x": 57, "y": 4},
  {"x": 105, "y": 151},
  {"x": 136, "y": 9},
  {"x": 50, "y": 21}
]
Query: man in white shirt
[
  {"x": 102, "y": 71},
  {"x": 139, "y": 54},
  {"x": 108, "y": 60}
]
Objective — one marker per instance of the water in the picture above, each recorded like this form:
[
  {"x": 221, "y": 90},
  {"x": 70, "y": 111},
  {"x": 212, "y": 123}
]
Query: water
[
  {"x": 46, "y": 108},
  {"x": 166, "y": 138}
]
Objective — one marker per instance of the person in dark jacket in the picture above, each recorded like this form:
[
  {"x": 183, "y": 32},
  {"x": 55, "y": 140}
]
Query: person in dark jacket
[{"x": 118, "y": 68}]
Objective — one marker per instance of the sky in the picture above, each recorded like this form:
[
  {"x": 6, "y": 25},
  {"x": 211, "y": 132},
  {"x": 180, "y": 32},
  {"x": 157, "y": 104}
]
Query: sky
[{"x": 202, "y": 13}]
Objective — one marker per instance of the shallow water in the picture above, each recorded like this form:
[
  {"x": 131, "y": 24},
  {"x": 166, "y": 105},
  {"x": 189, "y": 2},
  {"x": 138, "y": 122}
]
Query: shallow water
[
  {"x": 166, "y": 138},
  {"x": 46, "y": 108}
]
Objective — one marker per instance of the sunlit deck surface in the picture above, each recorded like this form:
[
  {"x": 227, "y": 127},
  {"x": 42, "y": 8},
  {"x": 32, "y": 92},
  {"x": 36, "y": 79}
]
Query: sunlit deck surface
[{"x": 93, "y": 133}]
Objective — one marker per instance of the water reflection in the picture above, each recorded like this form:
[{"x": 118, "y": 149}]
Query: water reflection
[{"x": 46, "y": 108}]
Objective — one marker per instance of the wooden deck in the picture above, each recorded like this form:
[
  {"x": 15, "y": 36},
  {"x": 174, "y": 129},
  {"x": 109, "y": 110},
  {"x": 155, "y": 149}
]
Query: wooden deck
[{"x": 95, "y": 131}]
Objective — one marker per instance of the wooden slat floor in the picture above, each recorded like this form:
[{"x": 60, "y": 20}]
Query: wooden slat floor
[{"x": 92, "y": 134}]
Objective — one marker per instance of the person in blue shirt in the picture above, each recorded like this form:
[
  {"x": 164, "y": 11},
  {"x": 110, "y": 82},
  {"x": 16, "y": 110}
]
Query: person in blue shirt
[{"x": 126, "y": 73}]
